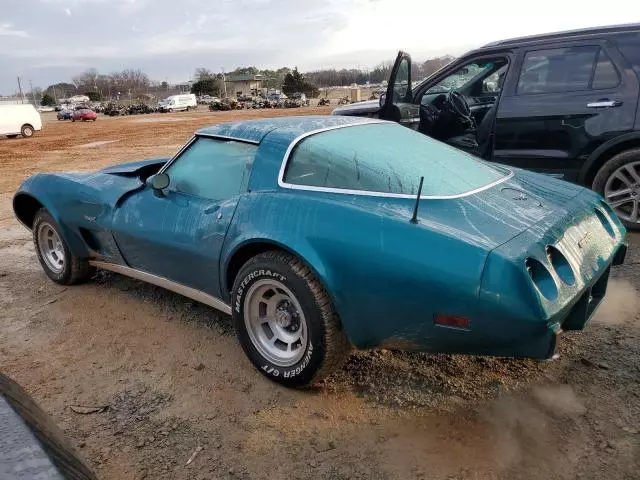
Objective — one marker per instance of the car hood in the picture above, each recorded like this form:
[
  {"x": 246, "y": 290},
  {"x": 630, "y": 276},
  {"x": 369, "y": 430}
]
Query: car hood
[{"x": 367, "y": 107}]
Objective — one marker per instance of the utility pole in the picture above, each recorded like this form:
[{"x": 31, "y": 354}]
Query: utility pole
[
  {"x": 20, "y": 89},
  {"x": 224, "y": 82},
  {"x": 33, "y": 95}
]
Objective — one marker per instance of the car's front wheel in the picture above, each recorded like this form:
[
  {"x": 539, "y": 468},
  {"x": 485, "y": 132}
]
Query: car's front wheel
[
  {"x": 54, "y": 255},
  {"x": 618, "y": 181},
  {"x": 285, "y": 321}
]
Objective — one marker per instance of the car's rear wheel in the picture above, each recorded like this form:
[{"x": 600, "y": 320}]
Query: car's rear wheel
[
  {"x": 618, "y": 181},
  {"x": 54, "y": 255},
  {"x": 285, "y": 321},
  {"x": 27, "y": 131}
]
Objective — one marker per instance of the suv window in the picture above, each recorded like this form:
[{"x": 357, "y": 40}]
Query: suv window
[
  {"x": 568, "y": 69},
  {"x": 629, "y": 46},
  {"x": 212, "y": 169},
  {"x": 493, "y": 83},
  {"x": 605, "y": 74},
  {"x": 401, "y": 85},
  {"x": 557, "y": 70}
]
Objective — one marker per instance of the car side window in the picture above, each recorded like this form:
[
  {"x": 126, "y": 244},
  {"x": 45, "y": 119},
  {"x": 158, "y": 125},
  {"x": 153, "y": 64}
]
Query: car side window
[
  {"x": 401, "y": 85},
  {"x": 557, "y": 70},
  {"x": 213, "y": 169},
  {"x": 605, "y": 74}
]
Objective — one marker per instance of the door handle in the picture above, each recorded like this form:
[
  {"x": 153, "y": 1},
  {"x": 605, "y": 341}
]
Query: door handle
[{"x": 604, "y": 104}]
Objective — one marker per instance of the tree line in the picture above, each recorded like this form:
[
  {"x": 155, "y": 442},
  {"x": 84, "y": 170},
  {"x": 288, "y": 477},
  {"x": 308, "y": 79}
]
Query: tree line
[{"x": 136, "y": 84}]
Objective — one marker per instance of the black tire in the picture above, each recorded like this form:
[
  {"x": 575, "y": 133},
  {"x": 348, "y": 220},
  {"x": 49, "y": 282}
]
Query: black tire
[
  {"x": 327, "y": 346},
  {"x": 47, "y": 433},
  {"x": 27, "y": 131},
  {"x": 75, "y": 270},
  {"x": 609, "y": 168}
]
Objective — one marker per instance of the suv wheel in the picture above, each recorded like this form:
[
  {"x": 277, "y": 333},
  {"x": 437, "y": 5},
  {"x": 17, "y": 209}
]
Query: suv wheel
[
  {"x": 285, "y": 321},
  {"x": 618, "y": 181}
]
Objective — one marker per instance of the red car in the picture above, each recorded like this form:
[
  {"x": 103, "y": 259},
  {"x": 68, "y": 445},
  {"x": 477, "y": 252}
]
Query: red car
[{"x": 84, "y": 114}]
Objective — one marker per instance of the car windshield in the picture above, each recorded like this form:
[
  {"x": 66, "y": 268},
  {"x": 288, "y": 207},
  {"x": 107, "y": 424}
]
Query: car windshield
[
  {"x": 386, "y": 158},
  {"x": 461, "y": 77}
]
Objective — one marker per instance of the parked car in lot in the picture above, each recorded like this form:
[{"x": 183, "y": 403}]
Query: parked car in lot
[
  {"x": 19, "y": 120},
  {"x": 64, "y": 115},
  {"x": 564, "y": 104},
  {"x": 84, "y": 114},
  {"x": 319, "y": 233},
  {"x": 177, "y": 103}
]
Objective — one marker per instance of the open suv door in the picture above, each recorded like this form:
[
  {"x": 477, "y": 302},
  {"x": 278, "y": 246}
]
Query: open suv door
[{"x": 397, "y": 104}]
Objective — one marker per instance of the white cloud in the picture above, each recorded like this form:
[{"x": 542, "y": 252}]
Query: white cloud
[
  {"x": 7, "y": 30},
  {"x": 67, "y": 11}
]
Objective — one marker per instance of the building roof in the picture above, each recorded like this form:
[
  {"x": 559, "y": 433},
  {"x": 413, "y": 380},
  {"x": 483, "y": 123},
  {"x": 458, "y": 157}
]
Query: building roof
[
  {"x": 242, "y": 78},
  {"x": 285, "y": 128}
]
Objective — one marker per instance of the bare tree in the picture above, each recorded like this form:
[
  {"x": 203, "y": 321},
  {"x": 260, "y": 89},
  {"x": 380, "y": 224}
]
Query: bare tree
[
  {"x": 202, "y": 73},
  {"x": 86, "y": 80}
]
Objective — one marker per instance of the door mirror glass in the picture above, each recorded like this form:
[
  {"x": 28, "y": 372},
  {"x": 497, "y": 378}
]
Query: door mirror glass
[
  {"x": 160, "y": 181},
  {"x": 382, "y": 99}
]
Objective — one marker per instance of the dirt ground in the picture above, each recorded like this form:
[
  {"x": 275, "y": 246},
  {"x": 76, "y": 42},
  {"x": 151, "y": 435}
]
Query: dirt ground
[{"x": 175, "y": 380}]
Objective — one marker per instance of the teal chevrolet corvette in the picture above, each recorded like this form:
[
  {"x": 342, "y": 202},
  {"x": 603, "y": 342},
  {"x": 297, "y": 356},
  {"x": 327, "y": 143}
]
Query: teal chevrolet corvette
[{"x": 319, "y": 234}]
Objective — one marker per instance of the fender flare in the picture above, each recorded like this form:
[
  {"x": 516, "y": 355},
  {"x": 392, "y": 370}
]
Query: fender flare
[
  {"x": 602, "y": 150},
  {"x": 72, "y": 239},
  {"x": 307, "y": 256}
]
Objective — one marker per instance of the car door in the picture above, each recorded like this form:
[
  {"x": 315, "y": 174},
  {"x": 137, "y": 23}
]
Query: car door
[
  {"x": 397, "y": 104},
  {"x": 562, "y": 101},
  {"x": 177, "y": 233}
]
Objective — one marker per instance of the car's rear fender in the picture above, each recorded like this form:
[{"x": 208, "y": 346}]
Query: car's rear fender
[
  {"x": 385, "y": 275},
  {"x": 552, "y": 276}
]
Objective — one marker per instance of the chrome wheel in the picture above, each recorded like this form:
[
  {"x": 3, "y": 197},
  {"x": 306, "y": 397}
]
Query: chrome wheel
[
  {"x": 51, "y": 248},
  {"x": 622, "y": 192},
  {"x": 275, "y": 322}
]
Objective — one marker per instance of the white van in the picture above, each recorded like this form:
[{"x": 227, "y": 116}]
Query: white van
[
  {"x": 176, "y": 103},
  {"x": 19, "y": 120}
]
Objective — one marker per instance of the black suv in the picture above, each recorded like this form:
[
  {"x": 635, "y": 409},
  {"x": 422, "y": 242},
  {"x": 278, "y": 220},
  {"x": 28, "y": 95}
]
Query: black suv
[{"x": 565, "y": 104}]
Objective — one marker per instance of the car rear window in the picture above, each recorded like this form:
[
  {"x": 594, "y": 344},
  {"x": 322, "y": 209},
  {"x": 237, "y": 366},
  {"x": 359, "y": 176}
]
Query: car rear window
[{"x": 386, "y": 158}]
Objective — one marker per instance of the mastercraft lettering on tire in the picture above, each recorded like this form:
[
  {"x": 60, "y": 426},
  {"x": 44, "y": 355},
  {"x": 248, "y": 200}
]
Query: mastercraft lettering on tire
[{"x": 438, "y": 252}]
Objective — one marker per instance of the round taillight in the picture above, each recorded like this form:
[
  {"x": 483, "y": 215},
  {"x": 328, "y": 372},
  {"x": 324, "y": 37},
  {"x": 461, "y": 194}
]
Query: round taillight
[
  {"x": 606, "y": 223},
  {"x": 561, "y": 265},
  {"x": 542, "y": 279}
]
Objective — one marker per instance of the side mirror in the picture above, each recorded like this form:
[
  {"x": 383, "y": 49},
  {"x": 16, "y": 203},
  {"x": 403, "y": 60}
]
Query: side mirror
[
  {"x": 159, "y": 182},
  {"x": 383, "y": 97}
]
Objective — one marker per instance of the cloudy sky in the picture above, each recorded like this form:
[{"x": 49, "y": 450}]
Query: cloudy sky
[{"x": 47, "y": 41}]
